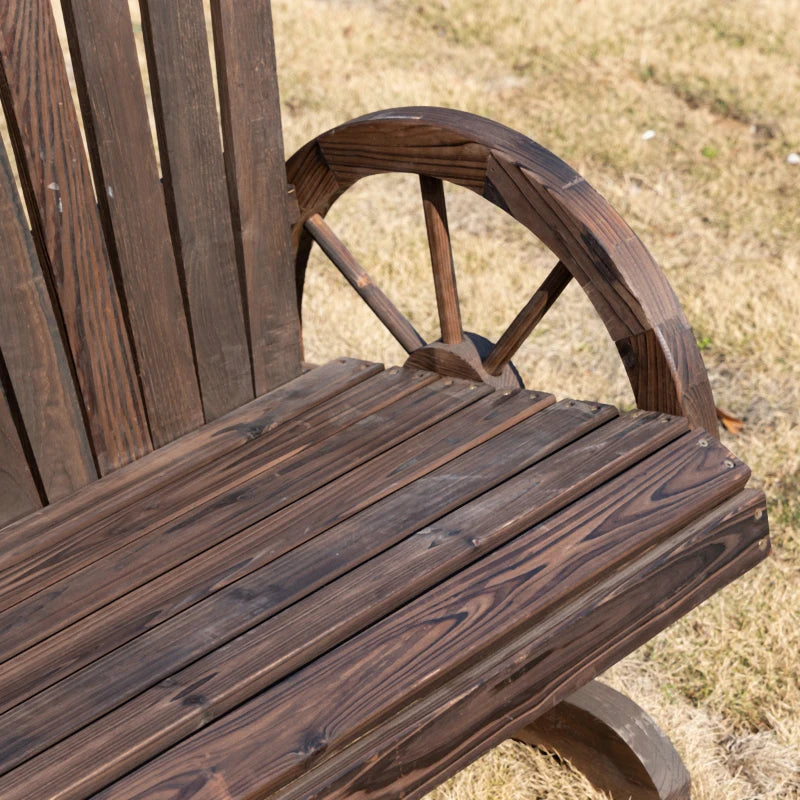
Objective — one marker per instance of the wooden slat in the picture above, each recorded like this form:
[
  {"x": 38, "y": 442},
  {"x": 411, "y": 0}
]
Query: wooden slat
[
  {"x": 98, "y": 500},
  {"x": 275, "y": 737},
  {"x": 371, "y": 590},
  {"x": 18, "y": 492},
  {"x": 383, "y": 308},
  {"x": 444, "y": 276},
  {"x": 267, "y": 490},
  {"x": 132, "y": 201},
  {"x": 253, "y": 145},
  {"x": 219, "y": 485},
  {"x": 290, "y": 577},
  {"x": 196, "y": 190},
  {"x": 31, "y": 347},
  {"x": 158, "y": 600},
  {"x": 55, "y": 176},
  {"x": 428, "y": 742}
]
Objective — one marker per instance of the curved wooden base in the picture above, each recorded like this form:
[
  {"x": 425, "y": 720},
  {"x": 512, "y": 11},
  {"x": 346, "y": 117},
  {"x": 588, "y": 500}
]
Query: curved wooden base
[{"x": 614, "y": 743}]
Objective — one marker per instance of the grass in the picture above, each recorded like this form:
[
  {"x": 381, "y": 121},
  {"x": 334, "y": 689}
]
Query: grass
[{"x": 711, "y": 194}]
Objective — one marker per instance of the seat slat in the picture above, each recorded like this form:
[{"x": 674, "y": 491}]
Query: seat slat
[
  {"x": 429, "y": 741},
  {"x": 56, "y": 180},
  {"x": 196, "y": 189},
  {"x": 251, "y": 126},
  {"x": 217, "y": 487},
  {"x": 442, "y": 632},
  {"x": 403, "y": 657},
  {"x": 34, "y": 357},
  {"x": 168, "y": 595},
  {"x": 97, "y": 501},
  {"x": 131, "y": 198},
  {"x": 363, "y": 595},
  {"x": 268, "y": 490},
  {"x": 18, "y": 492}
]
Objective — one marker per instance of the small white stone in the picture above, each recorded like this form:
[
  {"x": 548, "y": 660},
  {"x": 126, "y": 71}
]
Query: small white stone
[
  {"x": 648, "y": 135},
  {"x": 793, "y": 158}
]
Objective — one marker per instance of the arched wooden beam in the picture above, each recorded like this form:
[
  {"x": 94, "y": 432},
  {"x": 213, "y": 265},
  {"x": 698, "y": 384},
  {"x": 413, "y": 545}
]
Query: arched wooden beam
[
  {"x": 614, "y": 743},
  {"x": 625, "y": 285}
]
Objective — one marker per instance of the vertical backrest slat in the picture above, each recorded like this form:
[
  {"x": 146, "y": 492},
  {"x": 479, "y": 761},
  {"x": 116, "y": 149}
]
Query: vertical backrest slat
[
  {"x": 194, "y": 180},
  {"x": 18, "y": 493},
  {"x": 132, "y": 200},
  {"x": 256, "y": 171},
  {"x": 57, "y": 183},
  {"x": 34, "y": 357}
]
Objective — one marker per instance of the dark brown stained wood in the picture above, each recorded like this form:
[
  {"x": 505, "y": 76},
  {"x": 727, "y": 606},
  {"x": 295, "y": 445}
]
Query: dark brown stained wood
[
  {"x": 18, "y": 492},
  {"x": 628, "y": 291},
  {"x": 34, "y": 357},
  {"x": 295, "y": 575},
  {"x": 338, "y": 610},
  {"x": 444, "y": 632},
  {"x": 465, "y": 717},
  {"x": 253, "y": 144},
  {"x": 444, "y": 276},
  {"x": 411, "y": 461},
  {"x": 98, "y": 500},
  {"x": 132, "y": 201},
  {"x": 197, "y": 196},
  {"x": 217, "y": 487},
  {"x": 58, "y": 187},
  {"x": 205, "y": 524},
  {"x": 384, "y": 309},
  {"x": 613, "y": 742},
  {"x": 527, "y": 319}
]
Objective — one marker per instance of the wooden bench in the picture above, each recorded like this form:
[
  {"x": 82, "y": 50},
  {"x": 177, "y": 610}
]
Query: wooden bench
[{"x": 225, "y": 574}]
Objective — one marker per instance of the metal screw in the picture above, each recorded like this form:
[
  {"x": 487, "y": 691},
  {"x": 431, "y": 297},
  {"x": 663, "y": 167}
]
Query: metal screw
[
  {"x": 762, "y": 544},
  {"x": 728, "y": 463},
  {"x": 703, "y": 443}
]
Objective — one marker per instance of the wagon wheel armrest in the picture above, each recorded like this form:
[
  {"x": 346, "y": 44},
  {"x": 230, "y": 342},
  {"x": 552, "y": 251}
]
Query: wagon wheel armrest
[{"x": 622, "y": 280}]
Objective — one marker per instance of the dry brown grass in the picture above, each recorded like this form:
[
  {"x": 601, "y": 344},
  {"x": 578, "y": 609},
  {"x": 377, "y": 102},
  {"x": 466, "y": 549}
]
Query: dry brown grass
[{"x": 712, "y": 196}]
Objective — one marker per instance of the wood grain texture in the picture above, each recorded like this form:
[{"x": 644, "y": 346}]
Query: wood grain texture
[
  {"x": 98, "y": 500},
  {"x": 131, "y": 199},
  {"x": 253, "y": 145},
  {"x": 18, "y": 492},
  {"x": 364, "y": 593},
  {"x": 626, "y": 287},
  {"x": 283, "y": 537},
  {"x": 134, "y": 553},
  {"x": 428, "y": 742},
  {"x": 55, "y": 177},
  {"x": 444, "y": 276},
  {"x": 197, "y": 198},
  {"x": 34, "y": 357},
  {"x": 383, "y": 308},
  {"x": 446, "y": 631},
  {"x": 613, "y": 742},
  {"x": 218, "y": 485}
]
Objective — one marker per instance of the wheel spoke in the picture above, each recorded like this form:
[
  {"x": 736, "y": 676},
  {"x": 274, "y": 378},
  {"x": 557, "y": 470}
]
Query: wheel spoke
[
  {"x": 527, "y": 319},
  {"x": 357, "y": 277},
  {"x": 444, "y": 277}
]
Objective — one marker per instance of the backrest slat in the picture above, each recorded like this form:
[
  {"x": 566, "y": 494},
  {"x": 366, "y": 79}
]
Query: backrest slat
[
  {"x": 132, "y": 201},
  {"x": 251, "y": 127},
  {"x": 194, "y": 181},
  {"x": 18, "y": 493},
  {"x": 61, "y": 204},
  {"x": 34, "y": 357}
]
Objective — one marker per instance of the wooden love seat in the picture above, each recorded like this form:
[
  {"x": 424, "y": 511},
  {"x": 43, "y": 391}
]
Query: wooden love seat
[{"x": 227, "y": 574}]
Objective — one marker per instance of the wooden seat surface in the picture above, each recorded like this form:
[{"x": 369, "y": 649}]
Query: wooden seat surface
[{"x": 346, "y": 584}]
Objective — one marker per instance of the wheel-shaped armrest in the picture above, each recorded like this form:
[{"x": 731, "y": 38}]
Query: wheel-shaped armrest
[{"x": 620, "y": 277}]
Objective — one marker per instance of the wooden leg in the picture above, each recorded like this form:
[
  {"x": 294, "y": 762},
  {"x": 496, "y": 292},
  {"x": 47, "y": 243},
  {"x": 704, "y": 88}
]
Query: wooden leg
[{"x": 614, "y": 743}]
